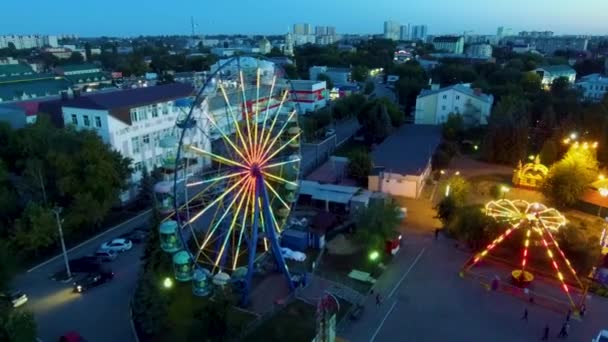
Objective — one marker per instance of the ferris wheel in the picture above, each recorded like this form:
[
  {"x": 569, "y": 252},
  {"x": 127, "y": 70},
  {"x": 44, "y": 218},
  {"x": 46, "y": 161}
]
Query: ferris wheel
[{"x": 235, "y": 188}]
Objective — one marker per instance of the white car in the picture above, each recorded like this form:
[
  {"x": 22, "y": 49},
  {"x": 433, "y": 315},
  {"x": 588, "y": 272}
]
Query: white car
[
  {"x": 16, "y": 298},
  {"x": 117, "y": 245},
  {"x": 293, "y": 255},
  {"x": 601, "y": 337}
]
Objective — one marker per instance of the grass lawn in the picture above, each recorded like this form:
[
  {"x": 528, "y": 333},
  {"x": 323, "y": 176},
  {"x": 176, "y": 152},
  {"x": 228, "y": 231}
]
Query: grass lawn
[
  {"x": 183, "y": 305},
  {"x": 294, "y": 323},
  {"x": 350, "y": 147}
]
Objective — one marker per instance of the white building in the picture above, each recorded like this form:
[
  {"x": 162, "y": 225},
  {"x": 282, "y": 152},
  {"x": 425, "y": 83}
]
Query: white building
[
  {"x": 264, "y": 46},
  {"x": 402, "y": 162},
  {"x": 479, "y": 50},
  {"x": 302, "y": 29},
  {"x": 288, "y": 48},
  {"x": 133, "y": 122},
  {"x": 28, "y": 41},
  {"x": 392, "y": 30},
  {"x": 309, "y": 95},
  {"x": 404, "y": 32},
  {"x": 340, "y": 76},
  {"x": 550, "y": 73},
  {"x": 433, "y": 106},
  {"x": 594, "y": 87},
  {"x": 450, "y": 44}
]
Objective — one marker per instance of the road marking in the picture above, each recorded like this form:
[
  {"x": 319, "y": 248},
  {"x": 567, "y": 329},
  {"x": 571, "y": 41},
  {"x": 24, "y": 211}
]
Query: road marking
[
  {"x": 382, "y": 322},
  {"x": 89, "y": 240},
  {"x": 406, "y": 273}
]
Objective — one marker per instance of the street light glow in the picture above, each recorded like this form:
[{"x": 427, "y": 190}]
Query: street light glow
[
  {"x": 374, "y": 255},
  {"x": 168, "y": 283},
  {"x": 573, "y": 136},
  {"x": 504, "y": 189},
  {"x": 603, "y": 192}
]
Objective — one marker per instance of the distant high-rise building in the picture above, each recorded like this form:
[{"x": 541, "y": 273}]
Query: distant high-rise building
[
  {"x": 391, "y": 30},
  {"x": 331, "y": 30},
  {"x": 308, "y": 29},
  {"x": 536, "y": 34},
  {"x": 288, "y": 49},
  {"x": 418, "y": 32},
  {"x": 300, "y": 28},
  {"x": 320, "y": 30},
  {"x": 404, "y": 33},
  {"x": 502, "y": 31},
  {"x": 28, "y": 41},
  {"x": 450, "y": 44}
]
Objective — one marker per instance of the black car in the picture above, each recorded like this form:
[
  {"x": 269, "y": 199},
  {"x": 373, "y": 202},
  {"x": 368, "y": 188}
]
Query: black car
[
  {"x": 85, "y": 264},
  {"x": 93, "y": 279}
]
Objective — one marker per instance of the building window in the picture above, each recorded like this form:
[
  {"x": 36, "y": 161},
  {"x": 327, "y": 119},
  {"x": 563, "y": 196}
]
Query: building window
[
  {"x": 457, "y": 97},
  {"x": 74, "y": 119},
  {"x": 156, "y": 138},
  {"x": 154, "y": 111},
  {"x": 445, "y": 97},
  {"x": 442, "y": 107},
  {"x": 142, "y": 114},
  {"x": 146, "y": 139},
  {"x": 133, "y": 115},
  {"x": 87, "y": 123},
  {"x": 135, "y": 144},
  {"x": 456, "y": 109},
  {"x": 165, "y": 108},
  {"x": 97, "y": 121},
  {"x": 138, "y": 166}
]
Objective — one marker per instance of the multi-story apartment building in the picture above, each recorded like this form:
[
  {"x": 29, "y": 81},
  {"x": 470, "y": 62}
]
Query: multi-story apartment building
[
  {"x": 433, "y": 106},
  {"x": 594, "y": 87},
  {"x": 28, "y": 41},
  {"x": 392, "y": 30},
  {"x": 133, "y": 122},
  {"x": 320, "y": 30},
  {"x": 451, "y": 44},
  {"x": 479, "y": 50},
  {"x": 404, "y": 32},
  {"x": 418, "y": 32}
]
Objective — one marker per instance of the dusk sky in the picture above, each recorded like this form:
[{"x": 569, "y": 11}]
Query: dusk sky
[{"x": 130, "y": 18}]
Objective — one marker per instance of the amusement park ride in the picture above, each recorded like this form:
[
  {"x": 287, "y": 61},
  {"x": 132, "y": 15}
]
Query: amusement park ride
[
  {"x": 229, "y": 197},
  {"x": 535, "y": 220}
]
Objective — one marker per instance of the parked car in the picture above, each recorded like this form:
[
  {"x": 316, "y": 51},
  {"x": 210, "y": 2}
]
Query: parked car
[
  {"x": 601, "y": 337},
  {"x": 16, "y": 298},
  {"x": 106, "y": 255},
  {"x": 85, "y": 264},
  {"x": 92, "y": 279},
  {"x": 117, "y": 245},
  {"x": 287, "y": 253}
]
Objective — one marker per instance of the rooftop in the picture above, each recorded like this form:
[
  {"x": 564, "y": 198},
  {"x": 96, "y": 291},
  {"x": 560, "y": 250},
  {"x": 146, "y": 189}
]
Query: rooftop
[
  {"x": 79, "y": 67},
  {"x": 408, "y": 150},
  {"x": 595, "y": 78},
  {"x": 14, "y": 69},
  {"x": 557, "y": 69},
  {"x": 446, "y": 39},
  {"x": 460, "y": 88},
  {"x": 130, "y": 97},
  {"x": 11, "y": 91}
]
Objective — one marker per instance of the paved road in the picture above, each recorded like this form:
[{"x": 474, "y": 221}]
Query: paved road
[
  {"x": 382, "y": 90},
  {"x": 101, "y": 314},
  {"x": 425, "y": 300}
]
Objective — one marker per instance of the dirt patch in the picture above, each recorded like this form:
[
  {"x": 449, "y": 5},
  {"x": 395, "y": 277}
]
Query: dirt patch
[{"x": 341, "y": 245}]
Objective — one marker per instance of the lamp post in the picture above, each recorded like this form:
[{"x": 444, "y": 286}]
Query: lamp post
[
  {"x": 504, "y": 190},
  {"x": 603, "y": 193},
  {"x": 57, "y": 211},
  {"x": 448, "y": 188}
]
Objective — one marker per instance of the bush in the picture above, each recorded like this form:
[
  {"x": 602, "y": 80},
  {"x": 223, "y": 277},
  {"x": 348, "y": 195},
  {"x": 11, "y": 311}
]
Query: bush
[
  {"x": 582, "y": 253},
  {"x": 471, "y": 225}
]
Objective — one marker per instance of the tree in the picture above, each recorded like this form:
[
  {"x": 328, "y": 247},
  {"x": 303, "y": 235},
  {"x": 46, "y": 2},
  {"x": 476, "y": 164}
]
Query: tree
[
  {"x": 327, "y": 79},
  {"x": 568, "y": 178},
  {"x": 150, "y": 304},
  {"x": 291, "y": 71},
  {"x": 453, "y": 128},
  {"x": 549, "y": 152},
  {"x": 75, "y": 58},
  {"x": 35, "y": 230},
  {"x": 459, "y": 189},
  {"x": 446, "y": 208},
  {"x": 471, "y": 225},
  {"x": 217, "y": 317},
  {"x": 375, "y": 120},
  {"x": 360, "y": 73},
  {"x": 359, "y": 166},
  {"x": 369, "y": 88},
  {"x": 275, "y": 52},
  {"x": 559, "y": 86},
  {"x": 8, "y": 262},
  {"x": 531, "y": 82},
  {"x": 377, "y": 223},
  {"x": 583, "y": 253},
  {"x": 17, "y": 326},
  {"x": 146, "y": 189},
  {"x": 506, "y": 140}
]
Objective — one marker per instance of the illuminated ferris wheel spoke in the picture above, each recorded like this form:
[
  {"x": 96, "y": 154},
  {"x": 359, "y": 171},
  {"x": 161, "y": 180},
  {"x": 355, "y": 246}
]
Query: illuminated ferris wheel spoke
[
  {"x": 247, "y": 118},
  {"x": 215, "y": 156},
  {"x": 266, "y": 147},
  {"x": 243, "y": 225},
  {"x": 291, "y": 161},
  {"x": 280, "y": 179},
  {"x": 216, "y": 179},
  {"x": 278, "y": 150},
  {"x": 259, "y": 147},
  {"x": 276, "y": 194},
  {"x": 219, "y": 198},
  {"x": 262, "y": 148},
  {"x": 230, "y": 229},
  {"x": 225, "y": 138},
  {"x": 257, "y": 111},
  {"x": 211, "y": 232},
  {"x": 235, "y": 122}
]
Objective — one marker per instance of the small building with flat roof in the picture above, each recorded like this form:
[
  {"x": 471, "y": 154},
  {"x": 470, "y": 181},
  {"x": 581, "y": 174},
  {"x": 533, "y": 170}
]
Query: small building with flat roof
[{"x": 402, "y": 163}]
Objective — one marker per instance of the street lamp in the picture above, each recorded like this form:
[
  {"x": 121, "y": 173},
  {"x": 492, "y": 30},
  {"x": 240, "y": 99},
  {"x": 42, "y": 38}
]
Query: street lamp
[
  {"x": 374, "y": 255},
  {"x": 168, "y": 283},
  {"x": 57, "y": 211},
  {"x": 604, "y": 193},
  {"x": 504, "y": 190}
]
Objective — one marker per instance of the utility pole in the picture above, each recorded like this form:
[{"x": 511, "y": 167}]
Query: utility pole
[
  {"x": 57, "y": 211},
  {"x": 192, "y": 23}
]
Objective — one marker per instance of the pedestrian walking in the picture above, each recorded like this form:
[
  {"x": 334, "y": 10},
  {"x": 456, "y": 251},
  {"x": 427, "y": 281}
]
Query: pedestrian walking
[
  {"x": 525, "y": 316},
  {"x": 378, "y": 299},
  {"x": 566, "y": 329},
  {"x": 562, "y": 331},
  {"x": 568, "y": 315},
  {"x": 436, "y": 233},
  {"x": 546, "y": 333},
  {"x": 583, "y": 310}
]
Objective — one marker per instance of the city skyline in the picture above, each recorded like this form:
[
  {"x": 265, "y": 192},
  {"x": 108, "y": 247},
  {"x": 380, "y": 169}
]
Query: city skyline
[{"x": 441, "y": 17}]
